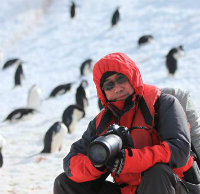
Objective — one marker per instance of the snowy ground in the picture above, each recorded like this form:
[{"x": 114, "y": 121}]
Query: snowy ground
[{"x": 41, "y": 33}]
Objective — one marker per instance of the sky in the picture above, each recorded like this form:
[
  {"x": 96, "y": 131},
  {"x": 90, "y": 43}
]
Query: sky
[{"x": 53, "y": 46}]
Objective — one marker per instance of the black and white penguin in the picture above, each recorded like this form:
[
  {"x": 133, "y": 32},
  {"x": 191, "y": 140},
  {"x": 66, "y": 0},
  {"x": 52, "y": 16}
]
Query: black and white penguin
[
  {"x": 81, "y": 95},
  {"x": 19, "y": 75},
  {"x": 71, "y": 115},
  {"x": 60, "y": 90},
  {"x": 11, "y": 62},
  {"x": 115, "y": 17},
  {"x": 20, "y": 114},
  {"x": 1, "y": 158},
  {"x": 2, "y": 144},
  {"x": 145, "y": 40},
  {"x": 172, "y": 57},
  {"x": 73, "y": 10},
  {"x": 86, "y": 67},
  {"x": 34, "y": 97},
  {"x": 54, "y": 137}
]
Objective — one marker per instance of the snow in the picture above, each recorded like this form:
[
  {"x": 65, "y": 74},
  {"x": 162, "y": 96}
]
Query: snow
[{"x": 53, "y": 46}]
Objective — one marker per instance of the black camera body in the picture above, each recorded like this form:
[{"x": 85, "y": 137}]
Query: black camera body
[{"x": 105, "y": 148}]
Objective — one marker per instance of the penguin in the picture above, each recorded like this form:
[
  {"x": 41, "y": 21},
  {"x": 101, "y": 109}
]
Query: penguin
[
  {"x": 34, "y": 97},
  {"x": 11, "y": 62},
  {"x": 1, "y": 158},
  {"x": 54, "y": 137},
  {"x": 115, "y": 17},
  {"x": 60, "y": 90},
  {"x": 2, "y": 144},
  {"x": 171, "y": 59},
  {"x": 81, "y": 95},
  {"x": 73, "y": 10},
  {"x": 71, "y": 115},
  {"x": 145, "y": 39},
  {"x": 86, "y": 67},
  {"x": 20, "y": 113},
  {"x": 19, "y": 75}
]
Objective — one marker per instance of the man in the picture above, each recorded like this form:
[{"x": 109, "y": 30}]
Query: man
[{"x": 160, "y": 133}]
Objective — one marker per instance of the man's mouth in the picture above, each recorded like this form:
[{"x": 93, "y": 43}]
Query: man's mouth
[{"x": 123, "y": 97}]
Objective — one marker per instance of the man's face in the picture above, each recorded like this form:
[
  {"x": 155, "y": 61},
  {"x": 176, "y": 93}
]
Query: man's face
[{"x": 117, "y": 87}]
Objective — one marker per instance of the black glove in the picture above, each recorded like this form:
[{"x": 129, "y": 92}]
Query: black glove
[{"x": 117, "y": 164}]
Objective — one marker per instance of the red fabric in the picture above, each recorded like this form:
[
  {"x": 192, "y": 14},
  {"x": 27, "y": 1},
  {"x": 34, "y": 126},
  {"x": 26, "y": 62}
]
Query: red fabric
[
  {"x": 179, "y": 171},
  {"x": 147, "y": 153},
  {"x": 121, "y": 63},
  {"x": 148, "y": 148},
  {"x": 83, "y": 169}
]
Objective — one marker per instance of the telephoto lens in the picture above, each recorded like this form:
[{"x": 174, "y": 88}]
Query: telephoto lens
[{"x": 104, "y": 149}]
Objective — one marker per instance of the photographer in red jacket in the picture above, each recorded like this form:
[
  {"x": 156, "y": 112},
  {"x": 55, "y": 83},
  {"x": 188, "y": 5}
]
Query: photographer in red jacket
[{"x": 158, "y": 162}]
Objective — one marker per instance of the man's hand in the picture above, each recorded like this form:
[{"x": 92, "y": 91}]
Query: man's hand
[{"x": 117, "y": 164}]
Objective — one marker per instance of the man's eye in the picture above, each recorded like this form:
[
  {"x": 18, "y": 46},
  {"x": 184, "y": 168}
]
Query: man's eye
[
  {"x": 121, "y": 79},
  {"x": 108, "y": 85}
]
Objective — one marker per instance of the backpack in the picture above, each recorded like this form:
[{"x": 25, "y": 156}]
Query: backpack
[{"x": 192, "y": 116}]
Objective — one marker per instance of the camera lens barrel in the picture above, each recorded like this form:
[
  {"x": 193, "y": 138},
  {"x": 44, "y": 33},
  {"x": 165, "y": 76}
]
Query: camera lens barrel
[{"x": 104, "y": 148}]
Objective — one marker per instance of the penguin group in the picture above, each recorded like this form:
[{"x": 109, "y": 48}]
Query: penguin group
[
  {"x": 74, "y": 112},
  {"x": 19, "y": 72}
]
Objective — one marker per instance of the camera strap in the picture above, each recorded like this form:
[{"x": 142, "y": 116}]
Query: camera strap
[{"x": 145, "y": 112}]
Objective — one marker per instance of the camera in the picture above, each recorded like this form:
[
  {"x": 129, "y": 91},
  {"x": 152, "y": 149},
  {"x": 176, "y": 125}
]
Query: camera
[{"x": 106, "y": 147}]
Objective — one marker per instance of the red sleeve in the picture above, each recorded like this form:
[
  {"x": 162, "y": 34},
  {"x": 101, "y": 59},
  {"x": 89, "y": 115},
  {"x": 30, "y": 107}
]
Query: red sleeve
[
  {"x": 82, "y": 169},
  {"x": 146, "y": 157}
]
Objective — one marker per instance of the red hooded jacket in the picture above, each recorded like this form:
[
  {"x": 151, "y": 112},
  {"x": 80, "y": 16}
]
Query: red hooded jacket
[{"x": 170, "y": 144}]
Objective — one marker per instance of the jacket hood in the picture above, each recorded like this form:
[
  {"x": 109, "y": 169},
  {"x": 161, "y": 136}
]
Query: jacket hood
[{"x": 120, "y": 63}]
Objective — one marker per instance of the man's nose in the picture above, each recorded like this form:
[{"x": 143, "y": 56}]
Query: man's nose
[{"x": 118, "y": 87}]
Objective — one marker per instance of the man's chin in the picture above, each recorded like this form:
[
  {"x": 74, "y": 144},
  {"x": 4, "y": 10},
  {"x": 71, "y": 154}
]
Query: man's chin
[{"x": 124, "y": 97}]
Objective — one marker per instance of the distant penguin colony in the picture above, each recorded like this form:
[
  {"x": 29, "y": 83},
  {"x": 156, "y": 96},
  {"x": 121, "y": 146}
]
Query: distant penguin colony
[
  {"x": 60, "y": 90},
  {"x": 19, "y": 114},
  {"x": 115, "y": 17},
  {"x": 73, "y": 10},
  {"x": 11, "y": 62},
  {"x": 34, "y": 97},
  {"x": 54, "y": 137},
  {"x": 145, "y": 39},
  {"x": 172, "y": 57},
  {"x": 81, "y": 95},
  {"x": 71, "y": 115},
  {"x": 19, "y": 75},
  {"x": 86, "y": 67}
]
